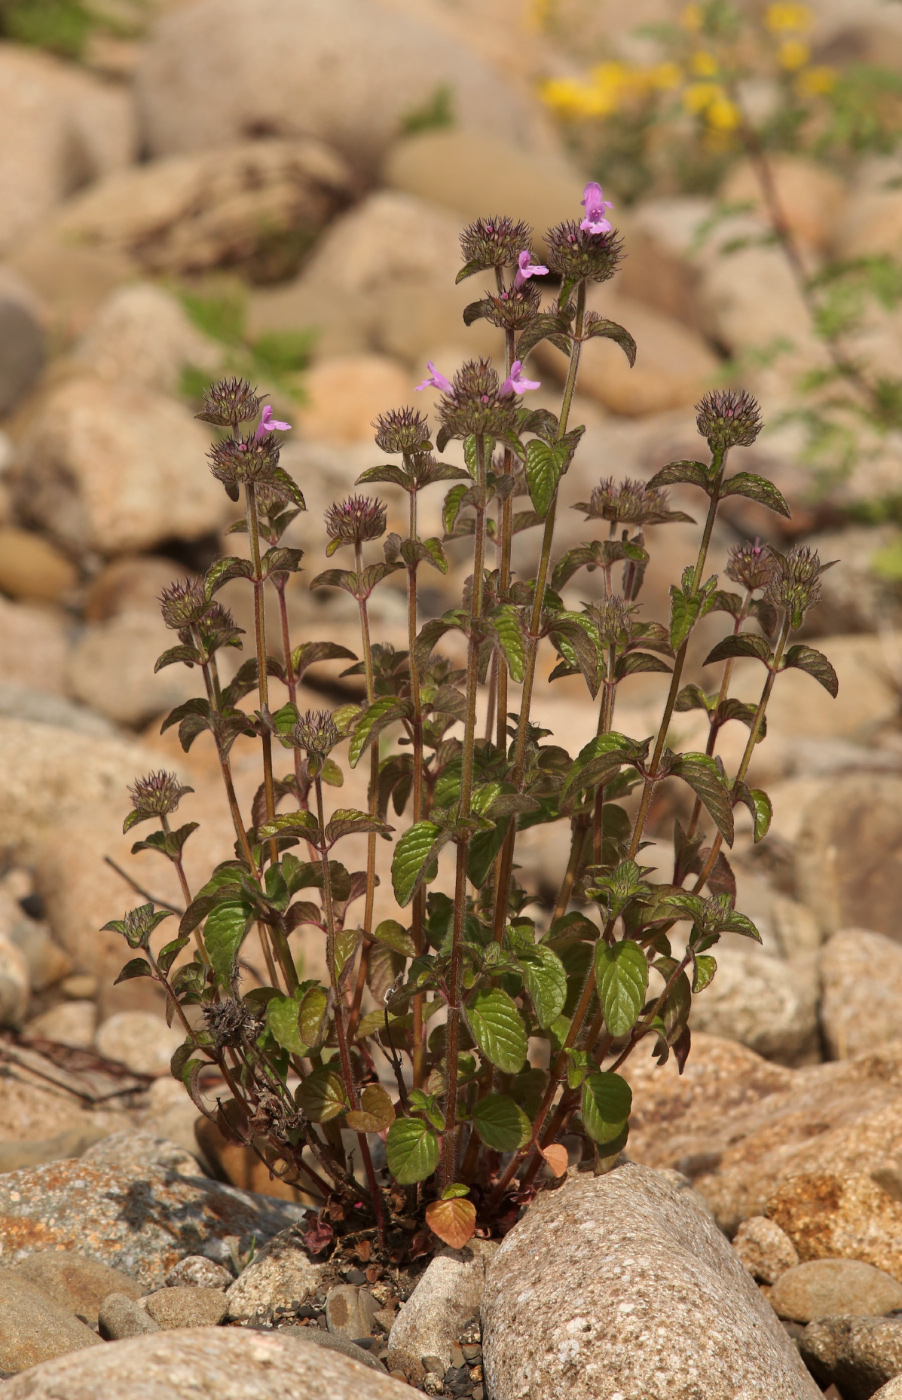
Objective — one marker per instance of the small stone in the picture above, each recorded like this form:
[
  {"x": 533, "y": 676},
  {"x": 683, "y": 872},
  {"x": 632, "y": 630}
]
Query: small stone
[
  {"x": 331, "y": 414},
  {"x": 120, "y": 1317},
  {"x": 445, "y": 1298},
  {"x": 111, "y": 669},
  {"x": 457, "y": 1358},
  {"x": 72, "y": 1023},
  {"x": 75, "y": 1281},
  {"x": 81, "y": 986},
  {"x": 280, "y": 1273},
  {"x": 350, "y": 1311},
  {"x": 34, "y": 1327},
  {"x": 355, "y": 1276},
  {"x": 433, "y": 1384},
  {"x": 320, "y": 1338},
  {"x": 197, "y": 1271},
  {"x": 47, "y": 961},
  {"x": 187, "y": 1306},
  {"x": 34, "y": 647},
  {"x": 765, "y": 1249},
  {"x": 140, "y": 1040},
  {"x": 472, "y": 1351},
  {"x": 14, "y": 988},
  {"x": 827, "y": 1287},
  {"x": 31, "y": 567},
  {"x": 861, "y": 972},
  {"x": 856, "y": 1354}
]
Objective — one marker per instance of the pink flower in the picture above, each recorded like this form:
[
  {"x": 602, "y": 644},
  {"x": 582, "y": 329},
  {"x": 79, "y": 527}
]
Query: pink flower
[
  {"x": 269, "y": 424},
  {"x": 527, "y": 269},
  {"x": 436, "y": 381},
  {"x": 515, "y": 383},
  {"x": 595, "y": 204}
]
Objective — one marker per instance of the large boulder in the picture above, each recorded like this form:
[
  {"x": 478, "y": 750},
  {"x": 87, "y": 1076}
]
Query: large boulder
[
  {"x": 861, "y": 974},
  {"x": 848, "y": 855}
]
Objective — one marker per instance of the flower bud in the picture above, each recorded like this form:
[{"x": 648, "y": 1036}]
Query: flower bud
[
  {"x": 629, "y": 503},
  {"x": 614, "y": 620},
  {"x": 401, "y": 430},
  {"x": 728, "y": 418},
  {"x": 231, "y": 1022},
  {"x": 237, "y": 460},
  {"x": 354, "y": 521},
  {"x": 795, "y": 583},
  {"x": 478, "y": 404},
  {"x": 495, "y": 242},
  {"x": 183, "y": 604},
  {"x": 750, "y": 564},
  {"x": 512, "y": 309},
  {"x": 229, "y": 401},
  {"x": 316, "y": 732},
  {"x": 576, "y": 254},
  {"x": 156, "y": 795}
]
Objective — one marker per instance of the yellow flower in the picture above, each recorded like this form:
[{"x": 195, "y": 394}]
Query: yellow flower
[
  {"x": 574, "y": 100},
  {"x": 793, "y": 54},
  {"x": 699, "y": 96},
  {"x": 785, "y": 16},
  {"x": 691, "y": 17},
  {"x": 704, "y": 64},
  {"x": 722, "y": 114},
  {"x": 664, "y": 75},
  {"x": 815, "y": 82}
]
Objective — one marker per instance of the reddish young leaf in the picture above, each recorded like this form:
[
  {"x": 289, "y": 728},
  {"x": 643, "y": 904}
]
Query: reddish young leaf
[
  {"x": 555, "y": 1158},
  {"x": 453, "y": 1221}
]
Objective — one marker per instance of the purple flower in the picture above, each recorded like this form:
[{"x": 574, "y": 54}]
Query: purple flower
[
  {"x": 436, "y": 381},
  {"x": 527, "y": 269},
  {"x": 595, "y": 204},
  {"x": 515, "y": 383},
  {"x": 269, "y": 424}
]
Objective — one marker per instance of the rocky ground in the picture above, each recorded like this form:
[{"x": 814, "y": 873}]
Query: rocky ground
[{"x": 188, "y": 202}]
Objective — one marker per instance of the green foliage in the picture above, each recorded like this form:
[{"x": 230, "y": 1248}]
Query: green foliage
[
  {"x": 436, "y": 114},
  {"x": 275, "y": 359}
]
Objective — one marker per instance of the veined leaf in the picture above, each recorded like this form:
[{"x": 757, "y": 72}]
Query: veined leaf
[
  {"x": 505, "y": 621},
  {"x": 621, "y": 974},
  {"x": 224, "y": 932},
  {"x": 497, "y": 1027},
  {"x": 704, "y": 777},
  {"x": 814, "y": 663},
  {"x": 546, "y": 981},
  {"x": 606, "y": 1103},
  {"x": 310, "y": 1017},
  {"x": 543, "y": 472},
  {"x": 373, "y": 720},
  {"x": 453, "y": 1220},
  {"x": 756, "y": 488},
  {"x": 282, "y": 1021},
  {"x": 759, "y": 805},
  {"x": 501, "y": 1123},
  {"x": 601, "y": 758},
  {"x": 411, "y": 1149},
  {"x": 321, "y": 1096},
  {"x": 414, "y": 854},
  {"x": 376, "y": 1111}
]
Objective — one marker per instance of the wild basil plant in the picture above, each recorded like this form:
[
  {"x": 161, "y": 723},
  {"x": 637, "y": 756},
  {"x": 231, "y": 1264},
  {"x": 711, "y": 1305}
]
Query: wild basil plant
[{"x": 499, "y": 1024}]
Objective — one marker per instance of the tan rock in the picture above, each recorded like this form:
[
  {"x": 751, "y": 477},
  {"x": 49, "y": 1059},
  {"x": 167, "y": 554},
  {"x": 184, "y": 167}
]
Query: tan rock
[
  {"x": 345, "y": 394},
  {"x": 72, "y": 1023},
  {"x": 71, "y": 280},
  {"x": 849, "y": 851},
  {"x": 238, "y": 1164},
  {"x": 749, "y": 300},
  {"x": 829, "y": 1287},
  {"x": 861, "y": 974},
  {"x": 34, "y": 647},
  {"x": 756, "y": 999},
  {"x": 33, "y": 569},
  {"x": 143, "y": 334},
  {"x": 22, "y": 325},
  {"x": 876, "y": 229},
  {"x": 764, "y": 1249},
  {"x": 14, "y": 988},
  {"x": 132, "y": 583},
  {"x": 812, "y": 198},
  {"x": 111, "y": 669},
  {"x": 116, "y": 471},
  {"x": 140, "y": 1040}
]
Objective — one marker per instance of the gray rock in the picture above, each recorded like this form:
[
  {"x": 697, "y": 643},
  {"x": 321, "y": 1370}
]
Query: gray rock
[
  {"x": 71, "y": 1023},
  {"x": 430, "y": 1322},
  {"x": 753, "y": 999},
  {"x": 20, "y": 702},
  {"x": 140, "y": 1216},
  {"x": 829, "y": 1287},
  {"x": 120, "y": 1317},
  {"x": 47, "y": 963},
  {"x": 350, "y": 1311},
  {"x": 764, "y": 1249},
  {"x": 619, "y": 1285},
  {"x": 140, "y": 1040},
  {"x": 34, "y": 1328},
  {"x": 848, "y": 854},
  {"x": 857, "y": 1354},
  {"x": 280, "y": 1273},
  {"x": 196, "y": 1271},
  {"x": 75, "y": 1281},
  {"x": 861, "y": 974},
  {"x": 230, "y": 1363},
  {"x": 186, "y": 1306},
  {"x": 315, "y": 1336}
]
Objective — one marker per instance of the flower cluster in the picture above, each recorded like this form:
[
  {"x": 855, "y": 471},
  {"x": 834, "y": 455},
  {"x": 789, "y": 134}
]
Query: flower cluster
[
  {"x": 751, "y": 564},
  {"x": 402, "y": 430},
  {"x": 630, "y": 503},
  {"x": 354, "y": 521},
  {"x": 728, "y": 418},
  {"x": 156, "y": 795}
]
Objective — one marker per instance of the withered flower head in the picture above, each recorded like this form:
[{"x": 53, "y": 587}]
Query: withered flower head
[
  {"x": 514, "y": 308},
  {"x": 231, "y": 1022},
  {"x": 750, "y": 564},
  {"x": 155, "y": 795},
  {"x": 629, "y": 503},
  {"x": 316, "y": 732},
  {"x": 495, "y": 242},
  {"x": 576, "y": 254},
  {"x": 794, "y": 584},
  {"x": 236, "y": 460},
  {"x": 183, "y": 603},
  {"x": 614, "y": 620},
  {"x": 728, "y": 418},
  {"x": 401, "y": 430},
  {"x": 479, "y": 404},
  {"x": 229, "y": 401},
  {"x": 218, "y": 629},
  {"x": 354, "y": 521}
]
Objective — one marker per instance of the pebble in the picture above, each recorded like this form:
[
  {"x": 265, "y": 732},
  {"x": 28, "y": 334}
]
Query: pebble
[
  {"x": 120, "y": 1318},
  {"x": 187, "y": 1305},
  {"x": 764, "y": 1249},
  {"x": 429, "y": 1324},
  {"x": 71, "y": 1023},
  {"x": 350, "y": 1311},
  {"x": 197, "y": 1271},
  {"x": 140, "y": 1040},
  {"x": 32, "y": 568},
  {"x": 856, "y": 1354},
  {"x": 861, "y": 973},
  {"x": 280, "y": 1273},
  {"x": 826, "y": 1287},
  {"x": 75, "y": 1281}
]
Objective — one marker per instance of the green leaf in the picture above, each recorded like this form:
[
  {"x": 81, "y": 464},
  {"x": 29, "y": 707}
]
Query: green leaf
[
  {"x": 683, "y": 616},
  {"x": 373, "y": 720},
  {"x": 347, "y": 821},
  {"x": 322, "y": 1095},
  {"x": 396, "y": 937},
  {"x": 282, "y": 1021},
  {"x": 705, "y": 968},
  {"x": 756, "y": 488},
  {"x": 224, "y": 932},
  {"x": 412, "y": 1151},
  {"x": 621, "y": 974},
  {"x": 611, "y": 331},
  {"x": 601, "y": 758},
  {"x": 543, "y": 472},
  {"x": 136, "y": 967},
  {"x": 310, "y": 1017},
  {"x": 546, "y": 981},
  {"x": 606, "y": 1103},
  {"x": 707, "y": 782},
  {"x": 189, "y": 655},
  {"x": 375, "y": 1113},
  {"x": 167, "y": 955},
  {"x": 497, "y": 1027},
  {"x": 743, "y": 644},
  {"x": 759, "y": 805},
  {"x": 501, "y": 1123},
  {"x": 679, "y": 473},
  {"x": 506, "y": 622},
  {"x": 814, "y": 663},
  {"x": 414, "y": 854}
]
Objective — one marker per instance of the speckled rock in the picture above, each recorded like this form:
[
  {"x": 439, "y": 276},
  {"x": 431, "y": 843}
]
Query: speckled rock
[
  {"x": 317, "y": 1337},
  {"x": 280, "y": 1273},
  {"x": 28, "y": 1110},
  {"x": 143, "y": 333},
  {"x": 349, "y": 1311},
  {"x": 72, "y": 1023},
  {"x": 140, "y": 1040},
  {"x": 186, "y": 1306},
  {"x": 827, "y": 1287},
  {"x": 861, "y": 973},
  {"x": 196, "y": 1271},
  {"x": 429, "y": 1324},
  {"x": 33, "y": 1327},
  {"x": 75, "y": 1281},
  {"x": 848, "y": 856},
  {"x": 753, "y": 999},
  {"x": 857, "y": 1354},
  {"x": 891, "y": 1391},
  {"x": 139, "y": 1216},
  {"x": 620, "y": 1286},
  {"x": 230, "y": 1363},
  {"x": 764, "y": 1249},
  {"x": 120, "y": 1317}
]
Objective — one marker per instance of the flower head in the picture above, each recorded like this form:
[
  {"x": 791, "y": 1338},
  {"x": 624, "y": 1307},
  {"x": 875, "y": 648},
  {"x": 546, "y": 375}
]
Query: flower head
[
  {"x": 183, "y": 603},
  {"x": 268, "y": 424},
  {"x": 614, "y": 620},
  {"x": 230, "y": 401},
  {"x": 576, "y": 254},
  {"x": 513, "y": 308},
  {"x": 728, "y": 418},
  {"x": 237, "y": 460},
  {"x": 794, "y": 584},
  {"x": 353, "y": 521},
  {"x": 478, "y": 404},
  {"x": 526, "y": 268},
  {"x": 750, "y": 564},
  {"x": 402, "y": 429},
  {"x": 595, "y": 204},
  {"x": 436, "y": 380},
  {"x": 316, "y": 732},
  {"x": 156, "y": 795},
  {"x": 217, "y": 629},
  {"x": 630, "y": 503},
  {"x": 515, "y": 383},
  {"x": 494, "y": 242}
]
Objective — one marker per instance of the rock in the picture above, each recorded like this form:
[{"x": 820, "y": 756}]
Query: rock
[
  {"x": 45, "y": 960},
  {"x": 21, "y": 340},
  {"x": 133, "y": 1150},
  {"x": 316, "y": 1337},
  {"x": 42, "y": 707},
  {"x": 429, "y": 1324},
  {"x": 76, "y": 1282},
  {"x": 34, "y": 647},
  {"x": 764, "y": 1249},
  {"x": 142, "y": 333},
  {"x": 810, "y": 196},
  {"x": 801, "y": 707},
  {"x": 73, "y": 1023},
  {"x": 673, "y": 365},
  {"x": 280, "y": 1273},
  {"x": 619, "y": 1284},
  {"x": 72, "y": 282},
  {"x": 28, "y": 1109},
  {"x": 71, "y": 1142},
  {"x": 111, "y": 669},
  {"x": 878, "y": 226},
  {"x": 346, "y": 393},
  {"x": 240, "y": 204},
  {"x": 14, "y": 989},
  {"x": 232, "y": 1363},
  {"x": 238, "y": 1163},
  {"x": 187, "y": 1306},
  {"x": 136, "y": 1216},
  {"x": 857, "y": 596},
  {"x": 753, "y": 1000},
  {"x": 171, "y": 1114},
  {"x": 132, "y": 583},
  {"x": 141, "y": 1041},
  {"x": 350, "y": 1311},
  {"x": 858, "y": 1354},
  {"x": 828, "y": 1287},
  {"x": 34, "y": 1328},
  {"x": 115, "y": 472},
  {"x": 861, "y": 973},
  {"x": 196, "y": 1271},
  {"x": 121, "y": 1318},
  {"x": 30, "y": 567},
  {"x": 848, "y": 854},
  {"x": 285, "y": 86},
  {"x": 891, "y": 1391},
  {"x": 749, "y": 300}
]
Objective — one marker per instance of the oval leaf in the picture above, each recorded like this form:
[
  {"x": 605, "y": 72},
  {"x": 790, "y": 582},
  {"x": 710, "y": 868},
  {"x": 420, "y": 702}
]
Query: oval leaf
[
  {"x": 310, "y": 1017},
  {"x": 621, "y": 973},
  {"x": 412, "y": 1151},
  {"x": 454, "y": 1221},
  {"x": 497, "y": 1027},
  {"x": 546, "y": 980},
  {"x": 501, "y": 1123},
  {"x": 556, "y": 1158},
  {"x": 413, "y": 856},
  {"x": 376, "y": 1111},
  {"x": 606, "y": 1103},
  {"x": 282, "y": 1020},
  {"x": 322, "y": 1095}
]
